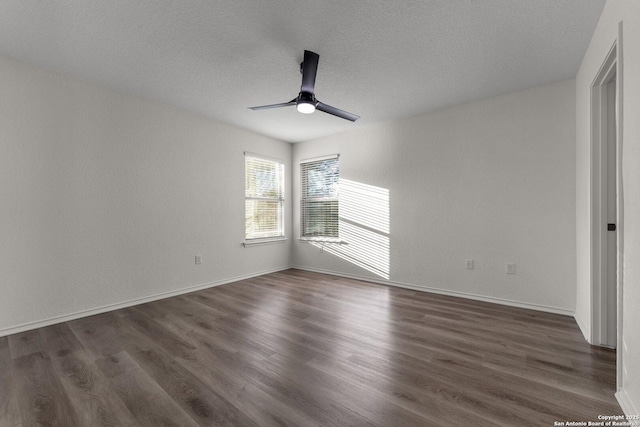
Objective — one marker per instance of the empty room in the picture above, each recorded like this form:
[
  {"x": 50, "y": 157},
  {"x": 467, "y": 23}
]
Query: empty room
[{"x": 303, "y": 213}]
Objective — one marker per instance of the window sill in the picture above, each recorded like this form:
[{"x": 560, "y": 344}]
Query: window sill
[{"x": 260, "y": 242}]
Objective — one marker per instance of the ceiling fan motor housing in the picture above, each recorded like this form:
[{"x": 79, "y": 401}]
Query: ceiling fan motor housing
[{"x": 306, "y": 98}]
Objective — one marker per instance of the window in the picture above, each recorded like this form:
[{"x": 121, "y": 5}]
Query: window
[
  {"x": 319, "y": 204},
  {"x": 264, "y": 199}
]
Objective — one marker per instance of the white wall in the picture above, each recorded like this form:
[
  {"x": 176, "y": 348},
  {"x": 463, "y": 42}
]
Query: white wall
[
  {"x": 106, "y": 198},
  {"x": 627, "y": 11},
  {"x": 492, "y": 181}
]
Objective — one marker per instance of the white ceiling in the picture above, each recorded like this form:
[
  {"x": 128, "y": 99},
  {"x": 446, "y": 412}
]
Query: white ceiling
[{"x": 380, "y": 59}]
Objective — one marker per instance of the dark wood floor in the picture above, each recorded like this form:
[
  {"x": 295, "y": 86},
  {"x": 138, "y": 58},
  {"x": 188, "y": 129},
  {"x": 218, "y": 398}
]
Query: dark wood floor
[{"x": 304, "y": 349}]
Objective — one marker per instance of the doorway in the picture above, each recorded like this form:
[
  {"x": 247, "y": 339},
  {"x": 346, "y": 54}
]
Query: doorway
[{"x": 605, "y": 188}]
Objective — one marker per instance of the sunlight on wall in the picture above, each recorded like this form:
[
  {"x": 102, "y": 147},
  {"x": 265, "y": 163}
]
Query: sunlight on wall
[{"x": 364, "y": 226}]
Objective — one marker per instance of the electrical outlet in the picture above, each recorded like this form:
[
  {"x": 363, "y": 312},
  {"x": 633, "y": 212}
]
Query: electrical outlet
[
  {"x": 510, "y": 268},
  {"x": 469, "y": 264},
  {"x": 198, "y": 259}
]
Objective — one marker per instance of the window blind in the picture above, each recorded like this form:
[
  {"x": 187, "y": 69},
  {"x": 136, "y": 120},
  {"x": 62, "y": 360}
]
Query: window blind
[
  {"x": 264, "y": 198},
  {"x": 319, "y": 202}
]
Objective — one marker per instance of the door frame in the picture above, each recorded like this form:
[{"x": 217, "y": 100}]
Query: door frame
[{"x": 611, "y": 68}]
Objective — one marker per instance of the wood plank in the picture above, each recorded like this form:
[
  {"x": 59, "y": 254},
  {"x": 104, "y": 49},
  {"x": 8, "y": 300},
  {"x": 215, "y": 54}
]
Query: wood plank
[
  {"x": 180, "y": 305},
  {"x": 270, "y": 411},
  {"x": 204, "y": 405},
  {"x": 99, "y": 335},
  {"x": 347, "y": 400},
  {"x": 24, "y": 344},
  {"x": 233, "y": 376},
  {"x": 145, "y": 399},
  {"x": 9, "y": 409},
  {"x": 89, "y": 391},
  {"x": 162, "y": 337},
  {"x": 41, "y": 396},
  {"x": 107, "y": 334},
  {"x": 59, "y": 340}
]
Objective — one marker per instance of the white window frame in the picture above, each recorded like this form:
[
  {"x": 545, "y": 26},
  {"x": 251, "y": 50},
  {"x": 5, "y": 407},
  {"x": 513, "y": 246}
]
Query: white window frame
[
  {"x": 264, "y": 238},
  {"x": 304, "y": 199}
]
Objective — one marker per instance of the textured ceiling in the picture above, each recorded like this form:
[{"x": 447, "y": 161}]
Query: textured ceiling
[{"x": 381, "y": 60}]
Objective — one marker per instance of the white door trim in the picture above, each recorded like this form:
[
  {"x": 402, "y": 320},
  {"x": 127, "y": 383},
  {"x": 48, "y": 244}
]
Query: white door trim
[
  {"x": 600, "y": 128},
  {"x": 611, "y": 68},
  {"x": 620, "y": 207}
]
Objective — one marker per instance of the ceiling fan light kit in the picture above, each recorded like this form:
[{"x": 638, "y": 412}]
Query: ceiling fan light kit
[{"x": 306, "y": 101}]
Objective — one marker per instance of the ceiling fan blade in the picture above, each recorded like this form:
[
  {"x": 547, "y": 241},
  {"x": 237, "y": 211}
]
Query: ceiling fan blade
[
  {"x": 309, "y": 70},
  {"x": 336, "y": 112},
  {"x": 267, "y": 107}
]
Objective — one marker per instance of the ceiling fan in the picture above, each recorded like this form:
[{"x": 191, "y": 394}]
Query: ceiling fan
[{"x": 306, "y": 101}]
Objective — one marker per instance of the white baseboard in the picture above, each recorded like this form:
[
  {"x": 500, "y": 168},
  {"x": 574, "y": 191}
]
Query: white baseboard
[
  {"x": 626, "y": 404},
  {"x": 110, "y": 307},
  {"x": 583, "y": 327},
  {"x": 130, "y": 303},
  {"x": 537, "y": 307}
]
